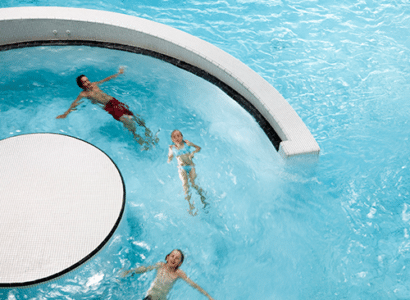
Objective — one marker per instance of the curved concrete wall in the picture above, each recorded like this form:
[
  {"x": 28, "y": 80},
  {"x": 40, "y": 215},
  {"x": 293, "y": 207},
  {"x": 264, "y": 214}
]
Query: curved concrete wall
[{"x": 25, "y": 24}]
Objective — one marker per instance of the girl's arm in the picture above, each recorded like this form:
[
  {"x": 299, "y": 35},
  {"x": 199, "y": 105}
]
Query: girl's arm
[
  {"x": 142, "y": 269},
  {"x": 193, "y": 284},
  {"x": 72, "y": 106},
  {"x": 121, "y": 71},
  {"x": 197, "y": 148},
  {"x": 170, "y": 154}
]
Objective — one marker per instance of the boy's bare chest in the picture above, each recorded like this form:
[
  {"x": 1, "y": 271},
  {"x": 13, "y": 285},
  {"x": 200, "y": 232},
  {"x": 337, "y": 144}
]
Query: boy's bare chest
[{"x": 98, "y": 95}]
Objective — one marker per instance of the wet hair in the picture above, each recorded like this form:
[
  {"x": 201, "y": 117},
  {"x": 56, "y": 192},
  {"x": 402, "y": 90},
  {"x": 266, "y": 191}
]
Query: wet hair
[
  {"x": 172, "y": 133},
  {"x": 79, "y": 82},
  {"x": 182, "y": 256}
]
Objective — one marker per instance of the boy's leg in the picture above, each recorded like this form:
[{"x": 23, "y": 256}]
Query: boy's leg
[
  {"x": 148, "y": 134},
  {"x": 140, "y": 121},
  {"x": 129, "y": 123}
]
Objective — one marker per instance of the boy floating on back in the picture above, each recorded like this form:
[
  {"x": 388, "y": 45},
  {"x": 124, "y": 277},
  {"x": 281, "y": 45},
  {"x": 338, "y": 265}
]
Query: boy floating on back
[{"x": 117, "y": 109}]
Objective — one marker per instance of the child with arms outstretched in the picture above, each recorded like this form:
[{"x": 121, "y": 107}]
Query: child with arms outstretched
[
  {"x": 167, "y": 274},
  {"x": 117, "y": 109}
]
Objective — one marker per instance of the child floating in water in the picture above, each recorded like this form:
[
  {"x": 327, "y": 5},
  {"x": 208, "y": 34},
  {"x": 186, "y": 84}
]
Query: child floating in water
[
  {"x": 117, "y": 109},
  {"x": 186, "y": 167},
  {"x": 167, "y": 274}
]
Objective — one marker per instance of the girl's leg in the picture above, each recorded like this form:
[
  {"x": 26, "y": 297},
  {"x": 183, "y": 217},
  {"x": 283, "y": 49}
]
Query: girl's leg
[
  {"x": 184, "y": 178},
  {"x": 200, "y": 191}
]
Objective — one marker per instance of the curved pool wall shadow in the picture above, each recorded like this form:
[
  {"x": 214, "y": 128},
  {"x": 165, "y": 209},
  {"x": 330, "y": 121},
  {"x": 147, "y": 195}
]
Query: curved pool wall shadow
[{"x": 34, "y": 26}]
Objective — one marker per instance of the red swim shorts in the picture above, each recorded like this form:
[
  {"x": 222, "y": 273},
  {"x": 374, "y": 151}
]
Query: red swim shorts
[{"x": 117, "y": 109}]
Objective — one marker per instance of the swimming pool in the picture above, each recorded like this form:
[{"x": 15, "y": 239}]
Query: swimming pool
[{"x": 334, "y": 230}]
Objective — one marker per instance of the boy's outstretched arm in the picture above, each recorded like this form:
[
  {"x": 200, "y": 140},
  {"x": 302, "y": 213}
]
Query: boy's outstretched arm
[
  {"x": 120, "y": 71},
  {"x": 193, "y": 284},
  {"x": 72, "y": 107},
  {"x": 140, "y": 270}
]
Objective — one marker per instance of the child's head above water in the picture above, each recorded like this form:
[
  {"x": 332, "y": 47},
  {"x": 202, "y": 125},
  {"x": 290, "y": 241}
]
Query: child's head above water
[
  {"x": 175, "y": 258},
  {"x": 176, "y": 136},
  {"x": 80, "y": 82}
]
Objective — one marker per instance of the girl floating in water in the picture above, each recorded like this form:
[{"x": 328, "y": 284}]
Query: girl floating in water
[
  {"x": 167, "y": 274},
  {"x": 186, "y": 167}
]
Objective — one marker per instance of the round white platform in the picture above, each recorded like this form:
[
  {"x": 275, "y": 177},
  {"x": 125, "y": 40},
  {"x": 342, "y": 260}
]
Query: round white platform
[{"x": 61, "y": 200}]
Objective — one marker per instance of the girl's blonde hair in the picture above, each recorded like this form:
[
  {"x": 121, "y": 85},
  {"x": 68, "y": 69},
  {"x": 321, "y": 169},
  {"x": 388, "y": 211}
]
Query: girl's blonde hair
[
  {"x": 182, "y": 256},
  {"x": 175, "y": 131}
]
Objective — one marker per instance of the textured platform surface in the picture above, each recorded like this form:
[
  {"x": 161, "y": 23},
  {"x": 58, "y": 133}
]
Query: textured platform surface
[{"x": 61, "y": 200}]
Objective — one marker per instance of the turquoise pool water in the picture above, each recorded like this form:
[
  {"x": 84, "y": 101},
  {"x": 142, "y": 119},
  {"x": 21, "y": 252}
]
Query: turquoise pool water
[{"x": 337, "y": 229}]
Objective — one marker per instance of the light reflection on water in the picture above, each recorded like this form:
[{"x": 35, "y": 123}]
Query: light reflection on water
[{"x": 335, "y": 230}]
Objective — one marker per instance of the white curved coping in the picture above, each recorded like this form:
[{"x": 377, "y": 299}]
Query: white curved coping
[
  {"x": 56, "y": 23},
  {"x": 57, "y": 208}
]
